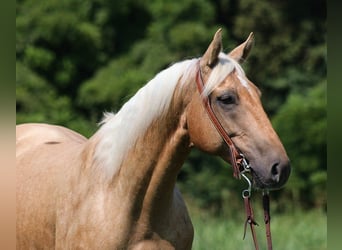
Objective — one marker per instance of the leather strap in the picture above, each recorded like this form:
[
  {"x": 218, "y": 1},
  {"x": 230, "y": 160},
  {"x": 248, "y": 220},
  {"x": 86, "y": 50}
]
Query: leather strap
[
  {"x": 235, "y": 156},
  {"x": 267, "y": 219},
  {"x": 250, "y": 220}
]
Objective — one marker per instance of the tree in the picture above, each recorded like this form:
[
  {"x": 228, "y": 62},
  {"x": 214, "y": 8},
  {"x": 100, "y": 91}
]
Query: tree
[{"x": 301, "y": 124}]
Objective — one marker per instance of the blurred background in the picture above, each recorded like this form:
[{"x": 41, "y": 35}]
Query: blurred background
[{"x": 76, "y": 59}]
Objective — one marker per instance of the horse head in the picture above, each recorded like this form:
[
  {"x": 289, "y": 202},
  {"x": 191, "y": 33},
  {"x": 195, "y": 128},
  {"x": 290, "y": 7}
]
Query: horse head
[{"x": 235, "y": 100}]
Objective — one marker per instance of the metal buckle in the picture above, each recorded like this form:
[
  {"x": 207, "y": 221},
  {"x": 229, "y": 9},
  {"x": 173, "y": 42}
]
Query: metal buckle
[
  {"x": 246, "y": 168},
  {"x": 246, "y": 192},
  {"x": 244, "y": 163}
]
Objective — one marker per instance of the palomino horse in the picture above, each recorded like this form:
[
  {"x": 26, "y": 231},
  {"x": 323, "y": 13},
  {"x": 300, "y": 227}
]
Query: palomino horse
[{"x": 116, "y": 190}]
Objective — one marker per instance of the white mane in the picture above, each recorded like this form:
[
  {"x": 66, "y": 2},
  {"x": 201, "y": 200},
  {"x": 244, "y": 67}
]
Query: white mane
[
  {"x": 119, "y": 132},
  {"x": 223, "y": 68}
]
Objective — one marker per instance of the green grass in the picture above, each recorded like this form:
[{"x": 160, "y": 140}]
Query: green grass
[{"x": 299, "y": 230}]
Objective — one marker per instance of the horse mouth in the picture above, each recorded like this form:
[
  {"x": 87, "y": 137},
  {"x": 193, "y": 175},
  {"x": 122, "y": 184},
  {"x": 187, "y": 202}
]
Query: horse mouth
[
  {"x": 258, "y": 184},
  {"x": 261, "y": 183}
]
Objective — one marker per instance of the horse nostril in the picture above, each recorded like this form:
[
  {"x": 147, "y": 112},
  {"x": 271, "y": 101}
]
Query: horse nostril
[
  {"x": 275, "y": 172},
  {"x": 280, "y": 172}
]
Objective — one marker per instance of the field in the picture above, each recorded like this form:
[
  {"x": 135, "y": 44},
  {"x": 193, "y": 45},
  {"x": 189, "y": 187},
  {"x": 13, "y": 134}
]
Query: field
[{"x": 299, "y": 230}]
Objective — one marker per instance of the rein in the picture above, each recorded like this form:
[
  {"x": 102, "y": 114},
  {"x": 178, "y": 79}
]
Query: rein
[{"x": 240, "y": 167}]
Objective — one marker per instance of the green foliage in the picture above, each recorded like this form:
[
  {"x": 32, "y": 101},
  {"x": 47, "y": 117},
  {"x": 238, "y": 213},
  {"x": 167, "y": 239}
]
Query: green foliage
[
  {"x": 211, "y": 184},
  {"x": 286, "y": 46},
  {"x": 76, "y": 59},
  {"x": 303, "y": 230},
  {"x": 38, "y": 101},
  {"x": 301, "y": 124},
  {"x": 39, "y": 107}
]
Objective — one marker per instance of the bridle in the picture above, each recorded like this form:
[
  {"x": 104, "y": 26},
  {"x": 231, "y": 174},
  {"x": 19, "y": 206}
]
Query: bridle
[{"x": 240, "y": 168}]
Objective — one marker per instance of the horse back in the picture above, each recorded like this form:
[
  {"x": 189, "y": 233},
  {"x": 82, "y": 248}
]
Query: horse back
[{"x": 45, "y": 156}]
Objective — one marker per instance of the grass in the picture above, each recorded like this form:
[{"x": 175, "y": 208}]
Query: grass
[{"x": 299, "y": 230}]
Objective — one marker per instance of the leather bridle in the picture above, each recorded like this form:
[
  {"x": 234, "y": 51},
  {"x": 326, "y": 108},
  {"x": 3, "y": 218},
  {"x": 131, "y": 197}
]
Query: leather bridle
[{"x": 240, "y": 168}]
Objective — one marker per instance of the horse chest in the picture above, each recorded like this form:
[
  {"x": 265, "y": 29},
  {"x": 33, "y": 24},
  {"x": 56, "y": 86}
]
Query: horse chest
[
  {"x": 100, "y": 222},
  {"x": 172, "y": 231}
]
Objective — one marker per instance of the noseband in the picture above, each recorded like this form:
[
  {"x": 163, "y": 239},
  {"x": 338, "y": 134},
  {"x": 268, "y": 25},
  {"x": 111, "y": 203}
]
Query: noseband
[{"x": 240, "y": 168}]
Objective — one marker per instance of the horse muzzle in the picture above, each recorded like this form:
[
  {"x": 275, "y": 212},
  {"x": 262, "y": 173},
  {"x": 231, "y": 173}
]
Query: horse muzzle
[{"x": 271, "y": 178}]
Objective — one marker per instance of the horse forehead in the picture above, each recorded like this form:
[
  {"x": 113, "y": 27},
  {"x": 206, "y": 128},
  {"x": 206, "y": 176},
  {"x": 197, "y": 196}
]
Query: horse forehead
[
  {"x": 241, "y": 82},
  {"x": 237, "y": 80}
]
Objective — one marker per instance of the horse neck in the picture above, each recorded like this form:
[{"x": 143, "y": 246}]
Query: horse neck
[
  {"x": 159, "y": 154},
  {"x": 146, "y": 178},
  {"x": 154, "y": 163}
]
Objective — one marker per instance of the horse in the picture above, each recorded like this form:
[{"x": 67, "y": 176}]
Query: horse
[{"x": 117, "y": 189}]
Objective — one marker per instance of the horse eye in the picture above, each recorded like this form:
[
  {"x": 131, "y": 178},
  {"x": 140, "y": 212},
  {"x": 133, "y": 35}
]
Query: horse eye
[{"x": 227, "y": 99}]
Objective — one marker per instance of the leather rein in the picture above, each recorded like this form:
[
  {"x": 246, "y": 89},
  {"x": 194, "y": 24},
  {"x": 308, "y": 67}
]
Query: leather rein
[{"x": 240, "y": 168}]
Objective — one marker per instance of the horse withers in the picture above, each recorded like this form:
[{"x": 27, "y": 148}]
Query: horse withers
[{"x": 116, "y": 190}]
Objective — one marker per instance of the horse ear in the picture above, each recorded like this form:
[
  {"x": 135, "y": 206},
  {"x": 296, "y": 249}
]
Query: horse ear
[
  {"x": 210, "y": 57},
  {"x": 240, "y": 53}
]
